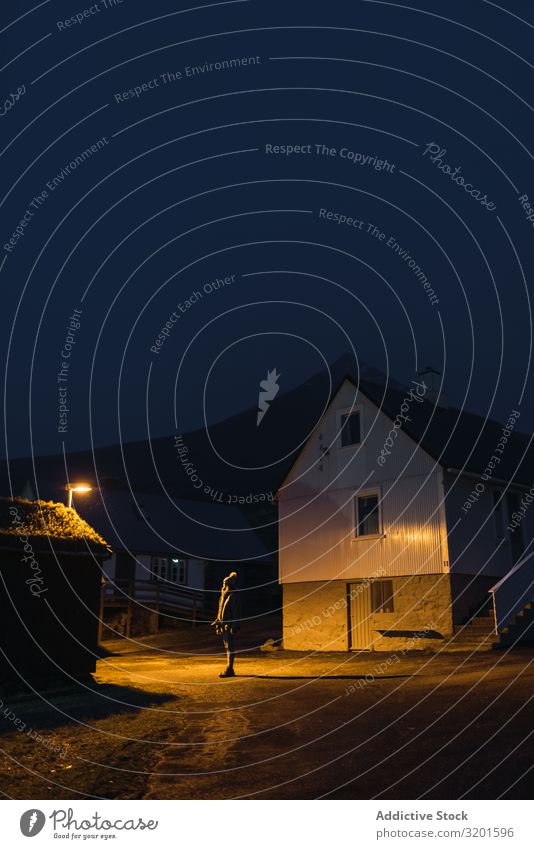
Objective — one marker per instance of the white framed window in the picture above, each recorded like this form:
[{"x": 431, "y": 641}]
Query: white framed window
[
  {"x": 349, "y": 426},
  {"x": 159, "y": 568},
  {"x": 179, "y": 570},
  {"x": 171, "y": 569},
  {"x": 367, "y": 514}
]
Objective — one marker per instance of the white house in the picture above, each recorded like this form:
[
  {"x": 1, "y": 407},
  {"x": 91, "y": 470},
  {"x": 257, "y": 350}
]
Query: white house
[{"x": 397, "y": 519}]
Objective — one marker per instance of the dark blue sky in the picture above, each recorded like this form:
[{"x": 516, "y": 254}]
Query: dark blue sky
[{"x": 145, "y": 157}]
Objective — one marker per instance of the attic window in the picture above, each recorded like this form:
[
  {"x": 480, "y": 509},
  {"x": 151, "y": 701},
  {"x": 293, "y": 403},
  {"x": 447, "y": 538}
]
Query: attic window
[{"x": 350, "y": 427}]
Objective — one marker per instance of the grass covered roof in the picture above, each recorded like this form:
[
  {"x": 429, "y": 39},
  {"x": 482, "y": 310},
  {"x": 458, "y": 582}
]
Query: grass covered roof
[{"x": 20, "y": 517}]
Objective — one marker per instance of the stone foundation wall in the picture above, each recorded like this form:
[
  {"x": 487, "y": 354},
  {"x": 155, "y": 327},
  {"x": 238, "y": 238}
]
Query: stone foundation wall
[
  {"x": 422, "y": 604},
  {"x": 316, "y": 615}
]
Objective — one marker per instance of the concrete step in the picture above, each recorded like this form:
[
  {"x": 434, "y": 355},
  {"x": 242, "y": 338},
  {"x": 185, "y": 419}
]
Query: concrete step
[
  {"x": 469, "y": 640},
  {"x": 476, "y": 635},
  {"x": 468, "y": 633},
  {"x": 519, "y": 629},
  {"x": 478, "y": 622},
  {"x": 475, "y": 638},
  {"x": 471, "y": 646},
  {"x": 524, "y": 620}
]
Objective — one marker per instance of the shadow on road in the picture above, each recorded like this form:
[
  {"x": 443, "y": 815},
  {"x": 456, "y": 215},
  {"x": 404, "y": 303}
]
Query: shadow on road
[
  {"x": 77, "y": 703},
  {"x": 325, "y": 677}
]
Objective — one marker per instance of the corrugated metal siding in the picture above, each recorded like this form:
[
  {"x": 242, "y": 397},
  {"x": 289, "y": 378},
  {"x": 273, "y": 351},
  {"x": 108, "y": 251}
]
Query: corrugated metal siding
[
  {"x": 343, "y": 467},
  {"x": 316, "y": 506},
  {"x": 472, "y": 536},
  {"x": 317, "y": 541}
]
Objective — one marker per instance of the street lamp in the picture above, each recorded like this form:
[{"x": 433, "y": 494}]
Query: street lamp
[{"x": 76, "y": 487}]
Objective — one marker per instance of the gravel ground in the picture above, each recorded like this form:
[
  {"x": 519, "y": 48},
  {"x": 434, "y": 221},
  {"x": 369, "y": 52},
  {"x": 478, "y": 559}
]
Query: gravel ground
[{"x": 156, "y": 722}]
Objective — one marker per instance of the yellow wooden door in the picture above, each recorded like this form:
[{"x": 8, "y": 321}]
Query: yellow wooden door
[{"x": 360, "y": 616}]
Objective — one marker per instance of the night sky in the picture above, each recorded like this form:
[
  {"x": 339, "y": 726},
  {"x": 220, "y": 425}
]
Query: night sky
[{"x": 192, "y": 197}]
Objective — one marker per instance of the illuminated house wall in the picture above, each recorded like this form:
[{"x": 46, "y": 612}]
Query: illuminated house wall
[
  {"x": 316, "y": 507},
  {"x": 428, "y": 552}
]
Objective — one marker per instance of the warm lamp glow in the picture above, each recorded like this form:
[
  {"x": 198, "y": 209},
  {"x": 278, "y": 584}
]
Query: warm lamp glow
[{"x": 77, "y": 487}]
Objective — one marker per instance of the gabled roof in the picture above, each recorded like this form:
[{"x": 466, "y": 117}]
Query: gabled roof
[
  {"x": 40, "y": 522},
  {"x": 146, "y": 523},
  {"x": 456, "y": 439}
]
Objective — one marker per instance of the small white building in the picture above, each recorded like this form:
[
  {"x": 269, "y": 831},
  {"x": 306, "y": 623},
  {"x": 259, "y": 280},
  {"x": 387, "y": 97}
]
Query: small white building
[{"x": 397, "y": 519}]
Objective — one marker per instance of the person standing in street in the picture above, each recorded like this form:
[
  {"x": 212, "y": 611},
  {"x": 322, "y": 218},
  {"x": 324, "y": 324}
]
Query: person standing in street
[{"x": 227, "y": 621}]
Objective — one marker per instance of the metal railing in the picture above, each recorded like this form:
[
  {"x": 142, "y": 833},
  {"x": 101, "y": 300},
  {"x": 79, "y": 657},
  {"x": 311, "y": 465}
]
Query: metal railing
[{"x": 513, "y": 592}]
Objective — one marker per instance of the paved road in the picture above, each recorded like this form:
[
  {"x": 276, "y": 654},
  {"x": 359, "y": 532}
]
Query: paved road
[{"x": 339, "y": 725}]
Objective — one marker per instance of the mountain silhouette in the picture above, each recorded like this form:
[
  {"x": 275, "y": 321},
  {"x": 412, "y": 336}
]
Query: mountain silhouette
[{"x": 234, "y": 459}]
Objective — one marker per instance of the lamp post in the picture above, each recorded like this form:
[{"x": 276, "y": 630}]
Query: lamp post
[{"x": 76, "y": 487}]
